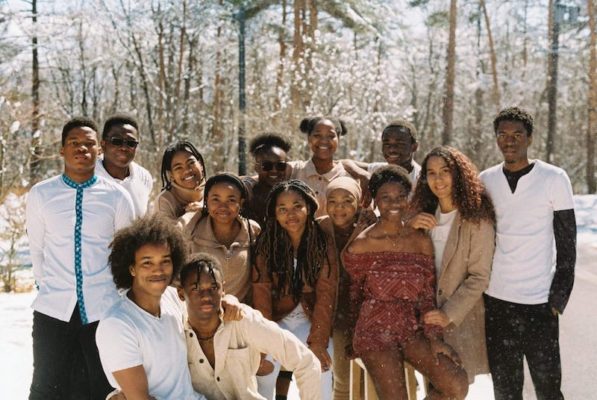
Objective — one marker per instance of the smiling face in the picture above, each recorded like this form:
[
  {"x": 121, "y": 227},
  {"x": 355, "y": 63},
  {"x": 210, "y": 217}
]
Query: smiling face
[
  {"x": 203, "y": 295},
  {"x": 398, "y": 147},
  {"x": 323, "y": 141},
  {"x": 152, "y": 270},
  {"x": 513, "y": 141},
  {"x": 270, "y": 166},
  {"x": 292, "y": 213},
  {"x": 224, "y": 203},
  {"x": 391, "y": 201},
  {"x": 439, "y": 178},
  {"x": 342, "y": 207},
  {"x": 120, "y": 156},
  {"x": 186, "y": 171},
  {"x": 80, "y": 151}
]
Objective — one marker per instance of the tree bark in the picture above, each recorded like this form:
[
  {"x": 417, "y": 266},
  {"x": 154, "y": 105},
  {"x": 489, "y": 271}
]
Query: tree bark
[
  {"x": 448, "y": 109},
  {"x": 282, "y": 57},
  {"x": 592, "y": 100},
  {"x": 552, "y": 81},
  {"x": 297, "y": 58},
  {"x": 35, "y": 160},
  {"x": 493, "y": 58}
]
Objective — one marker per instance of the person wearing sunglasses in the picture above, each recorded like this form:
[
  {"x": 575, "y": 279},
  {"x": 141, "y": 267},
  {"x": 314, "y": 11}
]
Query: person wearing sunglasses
[
  {"x": 269, "y": 152},
  {"x": 120, "y": 138}
]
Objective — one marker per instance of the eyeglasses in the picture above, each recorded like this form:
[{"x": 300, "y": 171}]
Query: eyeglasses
[
  {"x": 118, "y": 141},
  {"x": 269, "y": 165}
]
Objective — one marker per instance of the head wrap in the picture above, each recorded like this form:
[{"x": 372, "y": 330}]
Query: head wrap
[{"x": 346, "y": 183}]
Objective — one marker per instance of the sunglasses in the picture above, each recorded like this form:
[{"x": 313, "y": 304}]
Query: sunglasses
[
  {"x": 269, "y": 165},
  {"x": 118, "y": 141}
]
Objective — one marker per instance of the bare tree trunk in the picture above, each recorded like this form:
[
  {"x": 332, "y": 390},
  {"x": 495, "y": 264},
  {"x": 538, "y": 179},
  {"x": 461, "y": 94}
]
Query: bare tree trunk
[
  {"x": 83, "y": 68},
  {"x": 448, "y": 109},
  {"x": 552, "y": 82},
  {"x": 493, "y": 58},
  {"x": 217, "y": 135},
  {"x": 297, "y": 59},
  {"x": 280, "y": 70},
  {"x": 591, "y": 182},
  {"x": 35, "y": 160}
]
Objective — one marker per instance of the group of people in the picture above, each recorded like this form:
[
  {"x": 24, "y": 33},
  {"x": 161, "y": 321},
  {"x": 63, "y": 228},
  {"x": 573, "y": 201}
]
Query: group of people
[{"x": 231, "y": 287}]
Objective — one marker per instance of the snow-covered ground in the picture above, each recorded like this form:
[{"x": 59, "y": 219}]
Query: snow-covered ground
[{"x": 16, "y": 317}]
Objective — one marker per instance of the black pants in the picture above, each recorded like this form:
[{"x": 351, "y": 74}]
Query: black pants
[
  {"x": 66, "y": 362},
  {"x": 515, "y": 331}
]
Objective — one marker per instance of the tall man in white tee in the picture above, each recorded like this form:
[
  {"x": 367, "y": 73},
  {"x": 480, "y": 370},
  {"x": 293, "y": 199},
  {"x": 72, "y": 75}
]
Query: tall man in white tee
[
  {"x": 120, "y": 139},
  {"x": 71, "y": 219},
  {"x": 530, "y": 282}
]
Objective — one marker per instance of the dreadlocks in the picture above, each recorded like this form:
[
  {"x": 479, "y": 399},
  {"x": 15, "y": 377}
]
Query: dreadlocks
[{"x": 275, "y": 246}]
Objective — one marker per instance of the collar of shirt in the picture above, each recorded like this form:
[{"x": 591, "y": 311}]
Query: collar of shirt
[{"x": 84, "y": 185}]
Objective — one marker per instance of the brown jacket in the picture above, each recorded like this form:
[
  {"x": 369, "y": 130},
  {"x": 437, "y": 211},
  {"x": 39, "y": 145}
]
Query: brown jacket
[
  {"x": 235, "y": 260},
  {"x": 317, "y": 301},
  {"x": 464, "y": 276},
  {"x": 342, "y": 319}
]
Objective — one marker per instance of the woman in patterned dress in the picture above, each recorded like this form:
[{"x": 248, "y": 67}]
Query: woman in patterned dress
[{"x": 392, "y": 287}]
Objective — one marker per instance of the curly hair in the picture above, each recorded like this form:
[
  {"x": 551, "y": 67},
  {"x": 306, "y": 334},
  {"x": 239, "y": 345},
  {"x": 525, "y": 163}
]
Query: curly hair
[
  {"x": 197, "y": 263},
  {"x": 308, "y": 125},
  {"x": 275, "y": 246},
  {"x": 169, "y": 155},
  {"x": 153, "y": 230},
  {"x": 389, "y": 173},
  {"x": 514, "y": 114},
  {"x": 468, "y": 192},
  {"x": 266, "y": 141}
]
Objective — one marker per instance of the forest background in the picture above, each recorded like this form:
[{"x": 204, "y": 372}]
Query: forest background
[{"x": 218, "y": 72}]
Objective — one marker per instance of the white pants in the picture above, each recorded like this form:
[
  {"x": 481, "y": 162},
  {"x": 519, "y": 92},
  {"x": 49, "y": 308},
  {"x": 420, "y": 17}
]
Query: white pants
[{"x": 297, "y": 323}]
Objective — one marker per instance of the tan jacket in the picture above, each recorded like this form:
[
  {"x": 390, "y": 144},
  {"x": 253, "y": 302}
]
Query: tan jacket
[
  {"x": 234, "y": 260},
  {"x": 464, "y": 276},
  {"x": 318, "y": 302},
  {"x": 342, "y": 318},
  {"x": 238, "y": 346}
]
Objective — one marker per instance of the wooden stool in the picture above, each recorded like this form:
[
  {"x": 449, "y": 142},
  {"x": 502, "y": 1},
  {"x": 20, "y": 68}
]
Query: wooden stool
[{"x": 362, "y": 388}]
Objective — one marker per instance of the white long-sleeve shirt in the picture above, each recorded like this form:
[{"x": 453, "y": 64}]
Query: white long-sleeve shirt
[
  {"x": 138, "y": 184},
  {"x": 51, "y": 215}
]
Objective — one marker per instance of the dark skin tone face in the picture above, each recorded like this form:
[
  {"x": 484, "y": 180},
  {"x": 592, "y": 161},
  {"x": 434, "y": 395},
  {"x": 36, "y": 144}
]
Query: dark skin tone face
[
  {"x": 398, "y": 147},
  {"x": 80, "y": 150},
  {"x": 118, "y": 158},
  {"x": 272, "y": 176},
  {"x": 203, "y": 297},
  {"x": 513, "y": 141}
]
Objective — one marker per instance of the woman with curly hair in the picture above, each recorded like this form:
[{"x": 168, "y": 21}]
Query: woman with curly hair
[
  {"x": 392, "y": 287},
  {"x": 183, "y": 180},
  {"x": 141, "y": 339},
  {"x": 295, "y": 274},
  {"x": 220, "y": 230},
  {"x": 453, "y": 205}
]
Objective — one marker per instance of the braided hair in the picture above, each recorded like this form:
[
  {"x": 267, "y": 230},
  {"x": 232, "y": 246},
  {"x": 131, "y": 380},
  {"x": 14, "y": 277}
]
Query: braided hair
[
  {"x": 197, "y": 263},
  {"x": 169, "y": 155},
  {"x": 275, "y": 246}
]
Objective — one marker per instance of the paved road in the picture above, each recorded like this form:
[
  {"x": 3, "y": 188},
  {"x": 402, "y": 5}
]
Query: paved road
[{"x": 578, "y": 331}]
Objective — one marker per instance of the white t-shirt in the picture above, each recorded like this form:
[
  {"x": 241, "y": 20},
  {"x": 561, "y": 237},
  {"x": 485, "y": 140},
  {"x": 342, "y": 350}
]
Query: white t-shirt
[
  {"x": 439, "y": 235},
  {"x": 51, "y": 218},
  {"x": 139, "y": 184},
  {"x": 525, "y": 257},
  {"x": 129, "y": 336},
  {"x": 413, "y": 175}
]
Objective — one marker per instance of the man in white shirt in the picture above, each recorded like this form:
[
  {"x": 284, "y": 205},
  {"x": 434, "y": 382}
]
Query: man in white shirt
[
  {"x": 71, "y": 219},
  {"x": 223, "y": 356},
  {"x": 120, "y": 139},
  {"x": 530, "y": 283}
]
